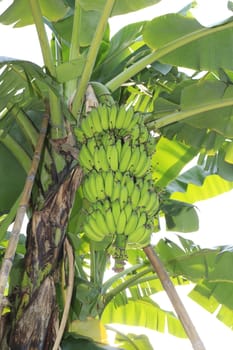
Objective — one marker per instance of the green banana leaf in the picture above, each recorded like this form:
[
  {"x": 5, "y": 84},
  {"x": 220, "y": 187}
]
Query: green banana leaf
[
  {"x": 120, "y": 7},
  {"x": 11, "y": 185},
  {"x": 145, "y": 313},
  {"x": 197, "y": 184},
  {"x": 208, "y": 268},
  {"x": 19, "y": 12},
  {"x": 169, "y": 159},
  {"x": 88, "y": 19},
  {"x": 133, "y": 341},
  {"x": 121, "y": 51},
  {"x": 183, "y": 41},
  {"x": 180, "y": 217},
  {"x": 71, "y": 343},
  {"x": 216, "y": 298},
  {"x": 216, "y": 96}
]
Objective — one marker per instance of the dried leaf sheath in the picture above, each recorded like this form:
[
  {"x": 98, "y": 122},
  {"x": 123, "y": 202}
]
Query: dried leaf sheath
[
  {"x": 46, "y": 232},
  {"x": 11, "y": 249}
]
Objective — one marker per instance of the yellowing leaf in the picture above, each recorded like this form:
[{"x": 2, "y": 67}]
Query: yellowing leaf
[{"x": 90, "y": 328}]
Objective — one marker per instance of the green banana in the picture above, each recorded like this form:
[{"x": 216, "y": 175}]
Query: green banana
[
  {"x": 99, "y": 183},
  {"x": 118, "y": 176},
  {"x": 146, "y": 238},
  {"x": 95, "y": 121},
  {"x": 153, "y": 204},
  {"x": 123, "y": 198},
  {"x": 144, "y": 134},
  {"x": 134, "y": 134},
  {"x": 142, "y": 219},
  {"x": 112, "y": 157},
  {"x": 106, "y": 140},
  {"x": 92, "y": 230},
  {"x": 125, "y": 157},
  {"x": 116, "y": 190},
  {"x": 119, "y": 147},
  {"x": 104, "y": 165},
  {"x": 110, "y": 221},
  {"x": 150, "y": 145},
  {"x": 144, "y": 196},
  {"x": 91, "y": 145},
  {"x": 130, "y": 185},
  {"x": 133, "y": 163},
  {"x": 89, "y": 188},
  {"x": 116, "y": 210},
  {"x": 131, "y": 224},
  {"x": 112, "y": 117},
  {"x": 136, "y": 118},
  {"x": 120, "y": 227},
  {"x": 121, "y": 116},
  {"x": 96, "y": 158},
  {"x": 135, "y": 196},
  {"x": 102, "y": 110},
  {"x": 128, "y": 210},
  {"x": 100, "y": 219},
  {"x": 129, "y": 114},
  {"x": 80, "y": 135},
  {"x": 85, "y": 159},
  {"x": 143, "y": 165},
  {"x": 136, "y": 234},
  {"x": 109, "y": 183},
  {"x": 88, "y": 132}
]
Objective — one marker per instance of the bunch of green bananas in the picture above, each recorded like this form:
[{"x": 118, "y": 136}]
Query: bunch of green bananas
[{"x": 115, "y": 154}]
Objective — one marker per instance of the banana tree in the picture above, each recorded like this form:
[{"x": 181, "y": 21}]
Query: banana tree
[{"x": 57, "y": 287}]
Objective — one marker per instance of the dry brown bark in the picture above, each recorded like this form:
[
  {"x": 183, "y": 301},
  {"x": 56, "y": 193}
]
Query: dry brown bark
[{"x": 37, "y": 314}]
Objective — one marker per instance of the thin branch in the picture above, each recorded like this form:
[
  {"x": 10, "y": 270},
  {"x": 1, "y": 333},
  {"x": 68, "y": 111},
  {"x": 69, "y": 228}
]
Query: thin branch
[
  {"x": 174, "y": 298},
  {"x": 9, "y": 219},
  {"x": 91, "y": 57},
  {"x": 13, "y": 241},
  {"x": 69, "y": 292}
]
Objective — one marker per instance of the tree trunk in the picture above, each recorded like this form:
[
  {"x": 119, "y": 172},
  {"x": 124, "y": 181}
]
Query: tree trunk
[{"x": 37, "y": 316}]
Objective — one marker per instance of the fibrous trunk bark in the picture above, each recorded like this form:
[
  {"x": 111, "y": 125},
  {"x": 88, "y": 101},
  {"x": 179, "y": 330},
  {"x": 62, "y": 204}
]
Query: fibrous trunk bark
[{"x": 36, "y": 320}]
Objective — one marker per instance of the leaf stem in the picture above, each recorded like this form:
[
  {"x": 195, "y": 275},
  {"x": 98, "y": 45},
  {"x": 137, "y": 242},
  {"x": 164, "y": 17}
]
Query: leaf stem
[
  {"x": 91, "y": 57},
  {"x": 181, "y": 115},
  {"x": 156, "y": 55},
  {"x": 109, "y": 296},
  {"x": 57, "y": 123},
  {"x": 17, "y": 151},
  {"x": 24, "y": 123},
  {"x": 74, "y": 45}
]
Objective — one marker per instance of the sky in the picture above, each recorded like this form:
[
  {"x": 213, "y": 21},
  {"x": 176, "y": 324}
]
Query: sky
[{"x": 216, "y": 225}]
